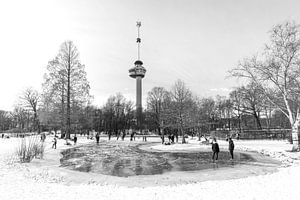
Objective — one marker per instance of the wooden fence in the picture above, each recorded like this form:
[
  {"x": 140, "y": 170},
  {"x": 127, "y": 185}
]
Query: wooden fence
[{"x": 253, "y": 134}]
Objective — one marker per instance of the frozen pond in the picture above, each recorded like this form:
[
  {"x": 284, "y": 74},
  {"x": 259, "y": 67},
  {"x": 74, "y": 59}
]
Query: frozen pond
[{"x": 127, "y": 159}]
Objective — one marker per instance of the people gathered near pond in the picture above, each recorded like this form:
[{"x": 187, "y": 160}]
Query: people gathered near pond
[
  {"x": 132, "y": 133},
  {"x": 231, "y": 147},
  {"x": 123, "y": 135},
  {"x": 171, "y": 138},
  {"x": 109, "y": 135},
  {"x": 75, "y": 140},
  {"x": 215, "y": 149},
  {"x": 97, "y": 137},
  {"x": 43, "y": 137},
  {"x": 54, "y": 143}
]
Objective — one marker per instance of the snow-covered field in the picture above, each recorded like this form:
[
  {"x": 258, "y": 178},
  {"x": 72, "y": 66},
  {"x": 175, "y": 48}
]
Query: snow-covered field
[{"x": 38, "y": 180}]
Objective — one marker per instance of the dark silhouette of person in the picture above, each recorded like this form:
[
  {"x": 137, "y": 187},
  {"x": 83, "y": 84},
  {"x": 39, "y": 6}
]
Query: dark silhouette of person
[
  {"x": 54, "y": 143},
  {"x": 132, "y": 137},
  {"x": 231, "y": 147},
  {"x": 75, "y": 139},
  {"x": 123, "y": 135},
  {"x": 162, "y": 138},
  {"x": 97, "y": 138},
  {"x": 118, "y": 134},
  {"x": 215, "y": 149},
  {"x": 109, "y": 135},
  {"x": 173, "y": 138}
]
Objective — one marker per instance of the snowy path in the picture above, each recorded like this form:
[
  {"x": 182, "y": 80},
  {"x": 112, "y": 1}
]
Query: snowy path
[{"x": 21, "y": 182}]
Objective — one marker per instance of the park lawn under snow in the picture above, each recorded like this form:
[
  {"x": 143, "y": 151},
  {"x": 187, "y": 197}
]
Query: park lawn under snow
[{"x": 22, "y": 181}]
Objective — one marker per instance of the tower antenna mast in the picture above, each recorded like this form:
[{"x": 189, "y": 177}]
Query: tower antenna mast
[
  {"x": 138, "y": 72},
  {"x": 138, "y": 40}
]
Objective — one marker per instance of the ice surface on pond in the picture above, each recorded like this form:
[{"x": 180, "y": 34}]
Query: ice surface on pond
[{"x": 124, "y": 160}]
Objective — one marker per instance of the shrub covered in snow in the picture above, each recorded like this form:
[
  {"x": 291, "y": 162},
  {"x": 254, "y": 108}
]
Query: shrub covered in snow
[{"x": 29, "y": 148}]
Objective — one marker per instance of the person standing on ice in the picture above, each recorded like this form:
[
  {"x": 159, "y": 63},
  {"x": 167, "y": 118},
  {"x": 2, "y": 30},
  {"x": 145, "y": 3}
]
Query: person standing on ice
[
  {"x": 231, "y": 147},
  {"x": 97, "y": 137},
  {"x": 54, "y": 143},
  {"x": 215, "y": 149},
  {"x": 75, "y": 140}
]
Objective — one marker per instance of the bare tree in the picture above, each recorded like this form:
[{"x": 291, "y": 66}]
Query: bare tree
[
  {"x": 30, "y": 100},
  {"x": 206, "y": 114},
  {"x": 21, "y": 118},
  {"x": 129, "y": 113},
  {"x": 155, "y": 100},
  {"x": 223, "y": 109},
  {"x": 118, "y": 114},
  {"x": 237, "y": 99},
  {"x": 249, "y": 100},
  {"x": 278, "y": 70},
  {"x": 66, "y": 82},
  {"x": 182, "y": 99},
  {"x": 5, "y": 120}
]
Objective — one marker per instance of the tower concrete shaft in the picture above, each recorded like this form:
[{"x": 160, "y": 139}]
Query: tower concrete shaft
[
  {"x": 138, "y": 72},
  {"x": 138, "y": 92},
  {"x": 139, "y": 108}
]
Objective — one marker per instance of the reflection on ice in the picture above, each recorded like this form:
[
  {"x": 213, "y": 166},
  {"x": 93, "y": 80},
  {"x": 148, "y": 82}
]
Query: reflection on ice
[{"x": 124, "y": 160}]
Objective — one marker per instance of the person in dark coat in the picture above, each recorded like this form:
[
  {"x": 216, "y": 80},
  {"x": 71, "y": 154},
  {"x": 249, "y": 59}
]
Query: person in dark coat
[
  {"x": 54, "y": 143},
  {"x": 97, "y": 138},
  {"x": 123, "y": 134},
  {"x": 75, "y": 140},
  {"x": 215, "y": 149},
  {"x": 231, "y": 147}
]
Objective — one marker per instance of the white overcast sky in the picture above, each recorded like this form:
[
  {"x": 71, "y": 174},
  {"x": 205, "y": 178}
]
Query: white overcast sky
[{"x": 194, "y": 40}]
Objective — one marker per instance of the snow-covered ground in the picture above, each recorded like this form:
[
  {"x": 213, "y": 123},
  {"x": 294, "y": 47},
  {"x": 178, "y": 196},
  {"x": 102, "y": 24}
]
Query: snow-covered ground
[{"x": 37, "y": 181}]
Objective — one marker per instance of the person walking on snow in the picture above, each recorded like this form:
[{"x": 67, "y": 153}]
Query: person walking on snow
[
  {"x": 54, "y": 143},
  {"x": 97, "y": 138},
  {"x": 231, "y": 147},
  {"x": 215, "y": 149},
  {"x": 75, "y": 140}
]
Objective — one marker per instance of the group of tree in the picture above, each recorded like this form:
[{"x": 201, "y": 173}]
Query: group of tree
[
  {"x": 24, "y": 117},
  {"x": 183, "y": 112},
  {"x": 271, "y": 93},
  {"x": 63, "y": 101},
  {"x": 64, "y": 105},
  {"x": 275, "y": 72},
  {"x": 116, "y": 116},
  {"x": 170, "y": 109}
]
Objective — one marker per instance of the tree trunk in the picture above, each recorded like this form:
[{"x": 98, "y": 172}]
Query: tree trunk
[
  {"x": 36, "y": 122},
  {"x": 181, "y": 128},
  {"x": 294, "y": 124},
  {"x": 257, "y": 120},
  {"x": 182, "y": 133},
  {"x": 240, "y": 123},
  {"x": 68, "y": 97},
  {"x": 295, "y": 129},
  {"x": 62, "y": 113},
  {"x": 162, "y": 134}
]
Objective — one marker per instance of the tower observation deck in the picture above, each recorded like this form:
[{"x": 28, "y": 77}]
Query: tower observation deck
[{"x": 138, "y": 72}]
